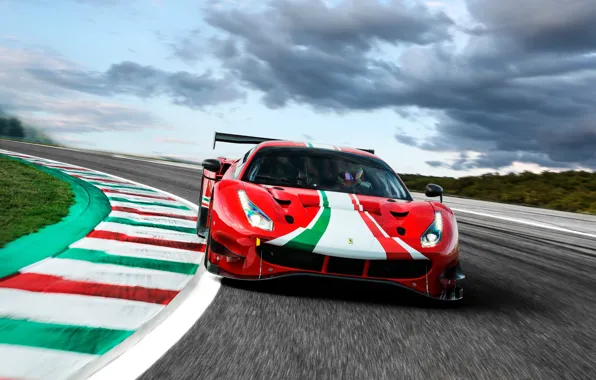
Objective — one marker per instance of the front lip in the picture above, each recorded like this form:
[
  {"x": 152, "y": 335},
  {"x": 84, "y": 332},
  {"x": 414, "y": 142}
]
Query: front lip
[{"x": 455, "y": 295}]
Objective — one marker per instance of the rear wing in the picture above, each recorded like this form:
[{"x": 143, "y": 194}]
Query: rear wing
[
  {"x": 242, "y": 139},
  {"x": 238, "y": 139}
]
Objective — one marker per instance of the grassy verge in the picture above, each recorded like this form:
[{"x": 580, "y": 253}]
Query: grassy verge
[
  {"x": 573, "y": 191},
  {"x": 30, "y": 199}
]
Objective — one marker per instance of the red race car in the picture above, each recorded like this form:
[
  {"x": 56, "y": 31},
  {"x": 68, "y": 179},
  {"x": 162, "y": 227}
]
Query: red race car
[{"x": 289, "y": 208}]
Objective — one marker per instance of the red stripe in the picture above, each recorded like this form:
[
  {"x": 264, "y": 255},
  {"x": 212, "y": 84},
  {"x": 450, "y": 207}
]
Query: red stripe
[
  {"x": 102, "y": 179},
  {"x": 146, "y": 213},
  {"x": 54, "y": 284},
  {"x": 391, "y": 247},
  {"x": 355, "y": 202},
  {"x": 199, "y": 247},
  {"x": 137, "y": 195}
]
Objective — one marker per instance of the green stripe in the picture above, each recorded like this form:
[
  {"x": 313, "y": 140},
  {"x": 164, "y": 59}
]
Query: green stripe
[
  {"x": 120, "y": 186},
  {"x": 309, "y": 145},
  {"x": 130, "y": 222},
  {"x": 309, "y": 238},
  {"x": 100, "y": 257},
  {"x": 82, "y": 339},
  {"x": 156, "y": 203}
]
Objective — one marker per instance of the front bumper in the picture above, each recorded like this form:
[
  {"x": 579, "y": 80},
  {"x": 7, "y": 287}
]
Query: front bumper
[{"x": 451, "y": 280}]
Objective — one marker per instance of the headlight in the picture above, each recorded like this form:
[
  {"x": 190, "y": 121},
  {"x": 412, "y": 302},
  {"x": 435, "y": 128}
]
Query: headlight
[
  {"x": 255, "y": 216},
  {"x": 432, "y": 236}
]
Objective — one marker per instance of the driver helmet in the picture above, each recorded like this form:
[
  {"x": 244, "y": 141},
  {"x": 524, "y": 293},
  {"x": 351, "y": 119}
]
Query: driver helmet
[{"x": 352, "y": 177}]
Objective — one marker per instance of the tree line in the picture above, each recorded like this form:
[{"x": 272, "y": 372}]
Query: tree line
[
  {"x": 12, "y": 127},
  {"x": 573, "y": 191}
]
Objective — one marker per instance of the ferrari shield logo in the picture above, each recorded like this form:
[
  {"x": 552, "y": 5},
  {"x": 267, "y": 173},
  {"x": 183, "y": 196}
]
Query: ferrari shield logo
[{"x": 350, "y": 241}]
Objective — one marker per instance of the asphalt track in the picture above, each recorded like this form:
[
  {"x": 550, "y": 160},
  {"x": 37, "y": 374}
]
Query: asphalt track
[{"x": 529, "y": 310}]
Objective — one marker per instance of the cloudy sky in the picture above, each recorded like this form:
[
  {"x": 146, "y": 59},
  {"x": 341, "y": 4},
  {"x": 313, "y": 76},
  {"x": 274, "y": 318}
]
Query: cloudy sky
[{"x": 452, "y": 87}]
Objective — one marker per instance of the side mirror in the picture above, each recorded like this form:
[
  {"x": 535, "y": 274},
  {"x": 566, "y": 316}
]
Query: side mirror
[
  {"x": 212, "y": 165},
  {"x": 433, "y": 190}
]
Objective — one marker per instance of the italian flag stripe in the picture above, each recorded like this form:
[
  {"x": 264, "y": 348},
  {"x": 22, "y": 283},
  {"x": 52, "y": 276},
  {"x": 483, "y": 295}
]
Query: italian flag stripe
[
  {"x": 137, "y": 194},
  {"x": 129, "y": 222},
  {"x": 84, "y": 173},
  {"x": 100, "y": 257},
  {"x": 149, "y": 213},
  {"x": 109, "y": 274},
  {"x": 148, "y": 203},
  {"x": 83, "y": 339},
  {"x": 309, "y": 237},
  {"x": 198, "y": 247},
  {"x": 123, "y": 248},
  {"x": 61, "y": 313},
  {"x": 99, "y": 178},
  {"x": 43, "y": 283},
  {"x": 101, "y": 184}
]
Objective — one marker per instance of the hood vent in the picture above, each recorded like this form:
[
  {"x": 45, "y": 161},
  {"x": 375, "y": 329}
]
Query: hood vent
[
  {"x": 398, "y": 214},
  {"x": 283, "y": 202}
]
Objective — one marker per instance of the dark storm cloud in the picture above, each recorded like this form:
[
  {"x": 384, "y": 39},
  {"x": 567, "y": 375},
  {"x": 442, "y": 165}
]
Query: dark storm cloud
[
  {"x": 182, "y": 87},
  {"x": 510, "y": 93},
  {"x": 309, "y": 53},
  {"x": 540, "y": 25}
]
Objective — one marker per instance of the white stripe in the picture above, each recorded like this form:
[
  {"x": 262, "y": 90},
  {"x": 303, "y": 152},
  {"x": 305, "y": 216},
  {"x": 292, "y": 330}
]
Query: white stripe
[
  {"x": 339, "y": 201},
  {"x": 159, "y": 209},
  {"x": 137, "y": 191},
  {"x": 74, "y": 309},
  {"x": 144, "y": 251},
  {"x": 148, "y": 232},
  {"x": 346, "y": 224},
  {"x": 110, "y": 274},
  {"x": 163, "y": 220},
  {"x": 141, "y": 199},
  {"x": 103, "y": 180},
  {"x": 21, "y": 362}
]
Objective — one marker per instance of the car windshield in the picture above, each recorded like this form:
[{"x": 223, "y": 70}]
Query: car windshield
[{"x": 324, "y": 170}]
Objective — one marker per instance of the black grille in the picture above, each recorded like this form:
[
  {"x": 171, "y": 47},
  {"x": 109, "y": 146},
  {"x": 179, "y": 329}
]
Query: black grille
[
  {"x": 398, "y": 268},
  {"x": 292, "y": 258},
  {"x": 341, "y": 265}
]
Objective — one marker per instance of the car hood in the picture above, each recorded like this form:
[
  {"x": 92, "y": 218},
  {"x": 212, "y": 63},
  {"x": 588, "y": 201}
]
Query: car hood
[{"x": 348, "y": 225}]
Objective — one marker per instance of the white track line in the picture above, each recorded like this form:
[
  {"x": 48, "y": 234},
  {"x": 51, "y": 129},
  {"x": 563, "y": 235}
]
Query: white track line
[
  {"x": 144, "y": 348},
  {"x": 526, "y": 222}
]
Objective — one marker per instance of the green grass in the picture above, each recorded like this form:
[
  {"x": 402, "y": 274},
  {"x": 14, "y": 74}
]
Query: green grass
[
  {"x": 573, "y": 191},
  {"x": 30, "y": 199}
]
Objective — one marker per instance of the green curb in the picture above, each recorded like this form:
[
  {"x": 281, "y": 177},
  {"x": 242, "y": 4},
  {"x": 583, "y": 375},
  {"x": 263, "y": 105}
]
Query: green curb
[{"x": 90, "y": 208}]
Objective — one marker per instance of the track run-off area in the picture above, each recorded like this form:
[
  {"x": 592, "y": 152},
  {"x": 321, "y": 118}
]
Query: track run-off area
[{"x": 529, "y": 308}]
